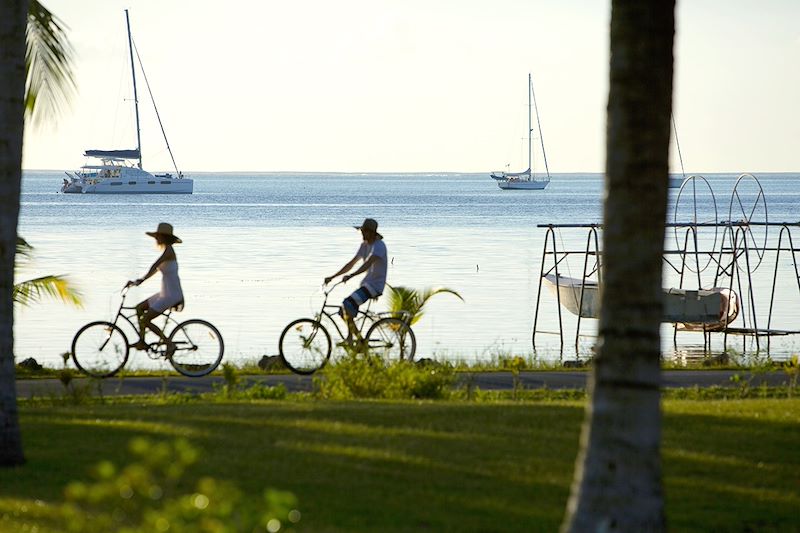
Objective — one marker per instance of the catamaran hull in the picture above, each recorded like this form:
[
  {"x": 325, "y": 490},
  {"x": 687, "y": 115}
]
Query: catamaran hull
[
  {"x": 153, "y": 186},
  {"x": 72, "y": 188},
  {"x": 157, "y": 186},
  {"x": 534, "y": 185}
]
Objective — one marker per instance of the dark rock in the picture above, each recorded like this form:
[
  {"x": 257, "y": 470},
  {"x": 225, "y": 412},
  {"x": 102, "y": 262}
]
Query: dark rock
[
  {"x": 30, "y": 364},
  {"x": 270, "y": 362},
  {"x": 717, "y": 360}
]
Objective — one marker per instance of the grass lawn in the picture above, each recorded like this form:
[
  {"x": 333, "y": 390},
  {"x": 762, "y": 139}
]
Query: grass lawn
[{"x": 407, "y": 466}]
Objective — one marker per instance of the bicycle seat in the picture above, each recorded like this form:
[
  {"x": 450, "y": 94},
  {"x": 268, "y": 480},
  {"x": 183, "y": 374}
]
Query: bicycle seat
[{"x": 178, "y": 307}]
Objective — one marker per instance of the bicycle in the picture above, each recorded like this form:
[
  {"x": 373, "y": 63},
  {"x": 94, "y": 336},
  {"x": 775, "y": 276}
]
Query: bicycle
[
  {"x": 100, "y": 349},
  {"x": 305, "y": 345}
]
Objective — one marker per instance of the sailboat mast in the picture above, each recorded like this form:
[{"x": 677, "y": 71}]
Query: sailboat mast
[
  {"x": 539, "y": 125},
  {"x": 135, "y": 94},
  {"x": 530, "y": 129}
]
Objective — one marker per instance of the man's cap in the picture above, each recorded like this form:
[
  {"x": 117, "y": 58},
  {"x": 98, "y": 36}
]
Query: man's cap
[{"x": 370, "y": 224}]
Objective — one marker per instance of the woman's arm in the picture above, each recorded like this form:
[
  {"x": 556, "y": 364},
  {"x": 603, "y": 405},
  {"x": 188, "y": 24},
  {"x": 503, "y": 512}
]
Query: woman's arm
[{"x": 168, "y": 255}]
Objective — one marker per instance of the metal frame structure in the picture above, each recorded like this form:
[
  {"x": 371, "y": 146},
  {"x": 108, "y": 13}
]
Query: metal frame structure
[{"x": 735, "y": 257}]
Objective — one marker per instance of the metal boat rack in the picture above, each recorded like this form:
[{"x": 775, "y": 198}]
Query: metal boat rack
[{"x": 736, "y": 251}]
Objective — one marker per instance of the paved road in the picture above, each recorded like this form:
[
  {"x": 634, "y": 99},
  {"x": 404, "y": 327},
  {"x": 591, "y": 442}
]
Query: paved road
[{"x": 484, "y": 380}]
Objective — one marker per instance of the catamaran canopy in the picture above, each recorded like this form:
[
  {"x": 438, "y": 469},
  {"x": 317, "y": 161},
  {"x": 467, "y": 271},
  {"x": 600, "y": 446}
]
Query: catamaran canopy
[{"x": 118, "y": 154}]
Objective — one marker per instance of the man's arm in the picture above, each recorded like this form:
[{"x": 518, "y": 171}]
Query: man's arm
[
  {"x": 345, "y": 268},
  {"x": 363, "y": 268}
]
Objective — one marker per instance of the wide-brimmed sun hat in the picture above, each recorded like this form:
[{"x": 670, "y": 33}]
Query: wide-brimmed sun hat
[
  {"x": 165, "y": 229},
  {"x": 370, "y": 224}
]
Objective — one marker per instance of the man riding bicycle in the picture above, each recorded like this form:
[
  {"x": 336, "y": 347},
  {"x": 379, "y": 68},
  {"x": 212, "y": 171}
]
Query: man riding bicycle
[{"x": 373, "y": 253}]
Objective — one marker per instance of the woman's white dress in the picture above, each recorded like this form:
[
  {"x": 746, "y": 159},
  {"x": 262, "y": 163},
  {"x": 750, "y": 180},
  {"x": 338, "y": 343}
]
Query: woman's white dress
[{"x": 171, "y": 293}]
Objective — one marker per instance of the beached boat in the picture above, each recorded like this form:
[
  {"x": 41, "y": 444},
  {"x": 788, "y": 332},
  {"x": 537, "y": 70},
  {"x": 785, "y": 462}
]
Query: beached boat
[
  {"x": 709, "y": 310},
  {"x": 526, "y": 180},
  {"x": 120, "y": 171}
]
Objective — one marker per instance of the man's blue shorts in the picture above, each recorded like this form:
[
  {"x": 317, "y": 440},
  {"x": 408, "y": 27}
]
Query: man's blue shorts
[{"x": 351, "y": 303}]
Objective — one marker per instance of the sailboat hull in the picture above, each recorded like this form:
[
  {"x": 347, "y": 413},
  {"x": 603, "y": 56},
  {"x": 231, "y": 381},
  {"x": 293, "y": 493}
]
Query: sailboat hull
[{"x": 531, "y": 185}]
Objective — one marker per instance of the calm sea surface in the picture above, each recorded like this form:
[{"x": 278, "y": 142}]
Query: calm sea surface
[{"x": 257, "y": 247}]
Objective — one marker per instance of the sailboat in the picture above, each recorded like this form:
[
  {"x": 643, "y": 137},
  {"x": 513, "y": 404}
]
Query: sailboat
[
  {"x": 526, "y": 179},
  {"x": 675, "y": 182},
  {"x": 120, "y": 171}
]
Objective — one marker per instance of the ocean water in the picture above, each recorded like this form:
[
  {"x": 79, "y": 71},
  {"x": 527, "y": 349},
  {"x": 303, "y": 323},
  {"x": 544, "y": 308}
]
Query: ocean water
[{"x": 258, "y": 245}]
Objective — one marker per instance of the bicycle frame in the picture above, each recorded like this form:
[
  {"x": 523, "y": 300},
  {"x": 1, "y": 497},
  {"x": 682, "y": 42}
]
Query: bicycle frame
[
  {"x": 363, "y": 315},
  {"x": 135, "y": 324}
]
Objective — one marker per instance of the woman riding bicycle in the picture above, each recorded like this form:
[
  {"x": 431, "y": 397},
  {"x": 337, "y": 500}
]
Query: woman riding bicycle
[{"x": 170, "y": 296}]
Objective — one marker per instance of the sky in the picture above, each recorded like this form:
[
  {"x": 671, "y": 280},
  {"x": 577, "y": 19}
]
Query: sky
[{"x": 413, "y": 85}]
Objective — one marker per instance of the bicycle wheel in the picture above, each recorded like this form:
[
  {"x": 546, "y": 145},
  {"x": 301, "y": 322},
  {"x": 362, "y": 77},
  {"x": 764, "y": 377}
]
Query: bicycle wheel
[
  {"x": 392, "y": 339},
  {"x": 198, "y": 348},
  {"x": 305, "y": 346},
  {"x": 100, "y": 349}
]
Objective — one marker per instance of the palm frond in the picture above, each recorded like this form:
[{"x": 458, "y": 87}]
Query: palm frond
[
  {"x": 401, "y": 298},
  {"x": 412, "y": 301},
  {"x": 23, "y": 248},
  {"x": 32, "y": 291},
  {"x": 426, "y": 294},
  {"x": 23, "y": 252},
  {"x": 49, "y": 79}
]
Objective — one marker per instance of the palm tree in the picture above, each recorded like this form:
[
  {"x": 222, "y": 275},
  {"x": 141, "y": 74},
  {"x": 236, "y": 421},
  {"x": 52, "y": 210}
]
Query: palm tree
[
  {"x": 411, "y": 302},
  {"x": 617, "y": 482},
  {"x": 34, "y": 63},
  {"x": 31, "y": 291}
]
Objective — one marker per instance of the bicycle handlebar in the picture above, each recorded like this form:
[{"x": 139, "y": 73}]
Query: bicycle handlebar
[{"x": 330, "y": 289}]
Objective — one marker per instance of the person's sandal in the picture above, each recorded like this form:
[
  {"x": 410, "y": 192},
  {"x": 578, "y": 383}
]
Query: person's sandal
[{"x": 140, "y": 345}]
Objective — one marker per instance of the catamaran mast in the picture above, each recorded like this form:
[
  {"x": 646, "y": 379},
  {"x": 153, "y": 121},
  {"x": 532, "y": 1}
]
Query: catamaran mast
[{"x": 135, "y": 95}]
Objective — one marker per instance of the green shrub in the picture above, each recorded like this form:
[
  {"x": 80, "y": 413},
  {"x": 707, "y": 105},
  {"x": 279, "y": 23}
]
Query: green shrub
[
  {"x": 146, "y": 496},
  {"x": 259, "y": 391},
  {"x": 371, "y": 377},
  {"x": 237, "y": 389}
]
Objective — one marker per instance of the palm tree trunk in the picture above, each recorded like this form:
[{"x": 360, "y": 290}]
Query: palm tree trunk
[
  {"x": 13, "y": 19},
  {"x": 617, "y": 483}
]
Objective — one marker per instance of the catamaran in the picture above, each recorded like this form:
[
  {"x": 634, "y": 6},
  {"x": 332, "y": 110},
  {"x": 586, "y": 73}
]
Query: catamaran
[
  {"x": 526, "y": 179},
  {"x": 120, "y": 171}
]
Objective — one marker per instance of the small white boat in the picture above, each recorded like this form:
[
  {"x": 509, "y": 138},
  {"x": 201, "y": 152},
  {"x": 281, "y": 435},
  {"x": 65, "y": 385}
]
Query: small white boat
[
  {"x": 120, "y": 171},
  {"x": 526, "y": 179},
  {"x": 693, "y": 310}
]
